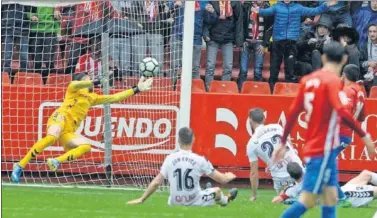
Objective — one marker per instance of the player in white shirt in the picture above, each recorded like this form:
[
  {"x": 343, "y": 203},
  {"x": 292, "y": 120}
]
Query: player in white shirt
[
  {"x": 264, "y": 140},
  {"x": 358, "y": 191},
  {"x": 290, "y": 193},
  {"x": 183, "y": 170}
]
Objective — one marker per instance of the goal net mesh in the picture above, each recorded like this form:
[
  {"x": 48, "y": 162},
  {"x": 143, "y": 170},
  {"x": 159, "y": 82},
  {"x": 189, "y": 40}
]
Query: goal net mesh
[{"x": 43, "y": 46}]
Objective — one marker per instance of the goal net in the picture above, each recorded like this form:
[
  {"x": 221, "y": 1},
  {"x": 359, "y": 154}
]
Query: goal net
[{"x": 44, "y": 43}]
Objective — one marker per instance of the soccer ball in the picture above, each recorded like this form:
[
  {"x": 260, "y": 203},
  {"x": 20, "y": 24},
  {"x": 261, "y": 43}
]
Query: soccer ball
[{"x": 149, "y": 67}]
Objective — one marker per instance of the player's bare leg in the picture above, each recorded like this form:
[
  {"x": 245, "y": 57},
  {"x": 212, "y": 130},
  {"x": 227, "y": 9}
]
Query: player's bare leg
[
  {"x": 75, "y": 148},
  {"x": 329, "y": 201},
  {"x": 222, "y": 199},
  {"x": 364, "y": 178},
  {"x": 306, "y": 201},
  {"x": 53, "y": 133}
]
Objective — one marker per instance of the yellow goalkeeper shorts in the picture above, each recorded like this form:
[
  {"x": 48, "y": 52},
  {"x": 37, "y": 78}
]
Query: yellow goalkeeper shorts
[{"x": 68, "y": 132}]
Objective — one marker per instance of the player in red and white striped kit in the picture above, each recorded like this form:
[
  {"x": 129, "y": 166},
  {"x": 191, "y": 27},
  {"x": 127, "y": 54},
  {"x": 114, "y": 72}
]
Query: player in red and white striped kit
[{"x": 321, "y": 98}]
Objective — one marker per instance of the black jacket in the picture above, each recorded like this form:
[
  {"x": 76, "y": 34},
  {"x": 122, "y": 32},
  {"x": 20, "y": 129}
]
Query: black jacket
[
  {"x": 228, "y": 30},
  {"x": 363, "y": 57},
  {"x": 268, "y": 22},
  {"x": 305, "y": 50},
  {"x": 14, "y": 20}
]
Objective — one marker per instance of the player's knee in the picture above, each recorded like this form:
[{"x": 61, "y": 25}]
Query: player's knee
[
  {"x": 366, "y": 174},
  {"x": 54, "y": 130}
]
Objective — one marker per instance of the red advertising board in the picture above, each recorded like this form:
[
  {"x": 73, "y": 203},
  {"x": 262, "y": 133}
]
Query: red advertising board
[{"x": 144, "y": 130}]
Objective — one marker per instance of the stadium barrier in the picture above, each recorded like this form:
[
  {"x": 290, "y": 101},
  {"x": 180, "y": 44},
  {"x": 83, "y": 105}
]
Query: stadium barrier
[{"x": 220, "y": 122}]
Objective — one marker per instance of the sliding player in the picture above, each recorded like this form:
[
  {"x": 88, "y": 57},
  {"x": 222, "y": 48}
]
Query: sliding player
[
  {"x": 64, "y": 122},
  {"x": 355, "y": 105},
  {"x": 320, "y": 95},
  {"x": 290, "y": 194},
  {"x": 183, "y": 170},
  {"x": 358, "y": 191},
  {"x": 263, "y": 142}
]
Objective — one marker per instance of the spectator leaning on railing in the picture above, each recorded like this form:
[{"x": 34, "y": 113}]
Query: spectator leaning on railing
[
  {"x": 310, "y": 47},
  {"x": 256, "y": 38},
  {"x": 368, "y": 51},
  {"x": 224, "y": 31},
  {"x": 14, "y": 24},
  {"x": 286, "y": 32},
  {"x": 362, "y": 18},
  {"x": 44, "y": 37}
]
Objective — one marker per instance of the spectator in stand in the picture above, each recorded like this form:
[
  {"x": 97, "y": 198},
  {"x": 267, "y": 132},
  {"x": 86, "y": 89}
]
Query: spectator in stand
[
  {"x": 256, "y": 40},
  {"x": 120, "y": 43},
  {"x": 339, "y": 13},
  {"x": 310, "y": 47},
  {"x": 348, "y": 37},
  {"x": 151, "y": 18},
  {"x": 362, "y": 18},
  {"x": 368, "y": 57},
  {"x": 44, "y": 37},
  {"x": 91, "y": 62},
  {"x": 225, "y": 30},
  {"x": 203, "y": 11},
  {"x": 307, "y": 22},
  {"x": 15, "y": 27},
  {"x": 176, "y": 40},
  {"x": 286, "y": 32}
]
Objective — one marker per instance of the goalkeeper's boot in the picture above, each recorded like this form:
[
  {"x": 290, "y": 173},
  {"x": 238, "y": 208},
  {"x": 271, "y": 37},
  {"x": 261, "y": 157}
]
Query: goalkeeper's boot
[
  {"x": 53, "y": 164},
  {"x": 16, "y": 173},
  {"x": 232, "y": 194}
]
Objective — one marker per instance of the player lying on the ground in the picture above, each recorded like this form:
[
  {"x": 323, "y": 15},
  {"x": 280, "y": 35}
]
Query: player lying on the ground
[
  {"x": 321, "y": 98},
  {"x": 183, "y": 170},
  {"x": 355, "y": 105},
  {"x": 263, "y": 142},
  {"x": 290, "y": 193},
  {"x": 64, "y": 122},
  {"x": 357, "y": 190}
]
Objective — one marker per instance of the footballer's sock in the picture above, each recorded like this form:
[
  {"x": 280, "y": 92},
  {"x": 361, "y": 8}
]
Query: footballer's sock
[
  {"x": 223, "y": 200},
  {"x": 341, "y": 194},
  {"x": 373, "y": 178},
  {"x": 295, "y": 211},
  {"x": 328, "y": 211},
  {"x": 36, "y": 149},
  {"x": 74, "y": 153}
]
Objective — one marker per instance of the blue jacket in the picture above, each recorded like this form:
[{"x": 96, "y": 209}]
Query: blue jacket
[
  {"x": 361, "y": 20},
  {"x": 288, "y": 18},
  {"x": 199, "y": 22}
]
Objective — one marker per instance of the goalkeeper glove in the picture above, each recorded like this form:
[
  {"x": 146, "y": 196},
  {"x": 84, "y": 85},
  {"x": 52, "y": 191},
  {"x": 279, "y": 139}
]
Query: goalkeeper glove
[{"x": 143, "y": 85}]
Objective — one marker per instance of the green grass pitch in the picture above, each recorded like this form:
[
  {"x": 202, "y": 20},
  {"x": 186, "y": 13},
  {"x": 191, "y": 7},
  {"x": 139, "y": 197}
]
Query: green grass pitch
[{"x": 37, "y": 202}]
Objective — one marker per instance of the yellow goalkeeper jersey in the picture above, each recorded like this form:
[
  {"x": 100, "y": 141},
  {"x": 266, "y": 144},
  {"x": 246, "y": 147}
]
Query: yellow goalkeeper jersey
[{"x": 78, "y": 100}]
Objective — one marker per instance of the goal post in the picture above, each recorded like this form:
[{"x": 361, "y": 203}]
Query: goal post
[{"x": 129, "y": 139}]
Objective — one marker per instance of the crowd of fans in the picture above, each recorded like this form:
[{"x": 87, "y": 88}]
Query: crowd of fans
[{"x": 292, "y": 31}]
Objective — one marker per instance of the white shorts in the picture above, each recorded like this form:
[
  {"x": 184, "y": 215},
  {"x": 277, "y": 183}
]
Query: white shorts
[
  {"x": 203, "y": 199},
  {"x": 280, "y": 183},
  {"x": 359, "y": 195}
]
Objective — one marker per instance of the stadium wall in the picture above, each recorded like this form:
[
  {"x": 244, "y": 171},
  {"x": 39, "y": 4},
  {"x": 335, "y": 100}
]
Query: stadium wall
[{"x": 219, "y": 120}]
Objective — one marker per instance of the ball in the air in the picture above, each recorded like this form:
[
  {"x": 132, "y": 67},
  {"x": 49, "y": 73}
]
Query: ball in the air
[{"x": 149, "y": 67}]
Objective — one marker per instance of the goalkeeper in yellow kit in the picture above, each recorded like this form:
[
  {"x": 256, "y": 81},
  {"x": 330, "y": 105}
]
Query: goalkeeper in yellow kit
[{"x": 64, "y": 122}]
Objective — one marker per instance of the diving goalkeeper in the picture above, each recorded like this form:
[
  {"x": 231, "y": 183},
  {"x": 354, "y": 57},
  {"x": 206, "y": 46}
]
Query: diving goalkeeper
[{"x": 64, "y": 122}]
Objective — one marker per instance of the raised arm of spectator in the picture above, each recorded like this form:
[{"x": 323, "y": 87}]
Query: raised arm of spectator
[
  {"x": 306, "y": 11},
  {"x": 268, "y": 11}
]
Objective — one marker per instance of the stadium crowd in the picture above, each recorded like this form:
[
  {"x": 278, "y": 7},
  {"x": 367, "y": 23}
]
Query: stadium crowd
[{"x": 67, "y": 39}]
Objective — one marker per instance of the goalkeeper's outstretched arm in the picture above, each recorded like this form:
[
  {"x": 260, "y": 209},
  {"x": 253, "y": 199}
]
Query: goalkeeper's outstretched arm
[{"x": 142, "y": 86}]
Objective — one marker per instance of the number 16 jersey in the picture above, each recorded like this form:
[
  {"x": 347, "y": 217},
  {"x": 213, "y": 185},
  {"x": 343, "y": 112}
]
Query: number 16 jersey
[
  {"x": 183, "y": 170},
  {"x": 264, "y": 141}
]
